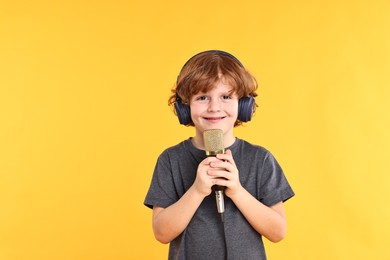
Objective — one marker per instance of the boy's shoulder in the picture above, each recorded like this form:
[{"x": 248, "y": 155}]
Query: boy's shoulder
[
  {"x": 183, "y": 148},
  {"x": 178, "y": 147},
  {"x": 248, "y": 147}
]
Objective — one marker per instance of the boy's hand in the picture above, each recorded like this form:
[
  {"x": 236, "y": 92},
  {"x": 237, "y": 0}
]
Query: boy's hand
[
  {"x": 224, "y": 172},
  {"x": 204, "y": 181}
]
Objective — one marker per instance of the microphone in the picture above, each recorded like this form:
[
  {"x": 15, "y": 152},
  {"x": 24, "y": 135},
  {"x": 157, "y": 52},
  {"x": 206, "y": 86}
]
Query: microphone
[{"x": 213, "y": 142}]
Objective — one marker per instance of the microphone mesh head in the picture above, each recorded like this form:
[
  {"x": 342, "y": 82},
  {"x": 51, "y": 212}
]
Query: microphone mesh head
[{"x": 213, "y": 142}]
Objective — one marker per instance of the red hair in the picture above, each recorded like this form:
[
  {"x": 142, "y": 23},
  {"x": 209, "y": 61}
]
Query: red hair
[{"x": 202, "y": 73}]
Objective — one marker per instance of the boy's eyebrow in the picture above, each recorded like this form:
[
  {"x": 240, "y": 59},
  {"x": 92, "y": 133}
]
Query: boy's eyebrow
[{"x": 232, "y": 92}]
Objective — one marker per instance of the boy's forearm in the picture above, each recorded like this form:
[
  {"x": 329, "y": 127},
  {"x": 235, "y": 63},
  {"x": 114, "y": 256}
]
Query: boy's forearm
[
  {"x": 268, "y": 221},
  {"x": 170, "y": 222}
]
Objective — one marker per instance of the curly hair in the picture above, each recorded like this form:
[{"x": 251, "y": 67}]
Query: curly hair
[{"x": 204, "y": 71}]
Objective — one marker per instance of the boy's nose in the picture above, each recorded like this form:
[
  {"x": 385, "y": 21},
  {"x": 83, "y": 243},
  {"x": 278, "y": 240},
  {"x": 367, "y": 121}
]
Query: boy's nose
[{"x": 214, "y": 105}]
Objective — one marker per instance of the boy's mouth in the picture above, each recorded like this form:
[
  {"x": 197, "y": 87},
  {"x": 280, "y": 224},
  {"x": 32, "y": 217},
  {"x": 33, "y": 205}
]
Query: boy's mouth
[{"x": 214, "y": 118}]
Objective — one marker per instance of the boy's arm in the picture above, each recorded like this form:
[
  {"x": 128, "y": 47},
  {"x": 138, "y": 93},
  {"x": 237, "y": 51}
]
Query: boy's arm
[
  {"x": 268, "y": 221},
  {"x": 170, "y": 222}
]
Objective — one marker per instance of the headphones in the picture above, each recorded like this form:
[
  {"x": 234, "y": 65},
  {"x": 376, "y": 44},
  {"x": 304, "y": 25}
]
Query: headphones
[{"x": 245, "y": 104}]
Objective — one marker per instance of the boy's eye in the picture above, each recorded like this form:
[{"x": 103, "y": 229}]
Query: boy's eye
[
  {"x": 226, "y": 97},
  {"x": 202, "y": 98}
]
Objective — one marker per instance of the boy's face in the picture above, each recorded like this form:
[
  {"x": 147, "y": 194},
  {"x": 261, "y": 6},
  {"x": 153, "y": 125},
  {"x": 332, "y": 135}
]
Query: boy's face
[{"x": 216, "y": 109}]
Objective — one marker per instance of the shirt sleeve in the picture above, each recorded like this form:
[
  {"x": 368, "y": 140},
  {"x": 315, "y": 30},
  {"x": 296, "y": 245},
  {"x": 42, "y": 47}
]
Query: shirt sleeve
[
  {"x": 274, "y": 187},
  {"x": 162, "y": 190}
]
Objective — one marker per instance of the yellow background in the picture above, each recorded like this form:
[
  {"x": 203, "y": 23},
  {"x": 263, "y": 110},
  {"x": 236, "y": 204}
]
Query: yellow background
[{"x": 83, "y": 111}]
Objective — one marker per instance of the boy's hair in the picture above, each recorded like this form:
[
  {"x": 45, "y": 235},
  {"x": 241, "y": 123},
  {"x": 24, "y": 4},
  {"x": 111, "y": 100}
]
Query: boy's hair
[{"x": 202, "y": 73}]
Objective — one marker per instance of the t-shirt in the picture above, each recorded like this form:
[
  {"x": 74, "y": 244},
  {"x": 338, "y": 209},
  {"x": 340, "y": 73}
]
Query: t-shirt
[{"x": 206, "y": 237}]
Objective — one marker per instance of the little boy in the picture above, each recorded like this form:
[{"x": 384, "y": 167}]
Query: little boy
[{"x": 215, "y": 91}]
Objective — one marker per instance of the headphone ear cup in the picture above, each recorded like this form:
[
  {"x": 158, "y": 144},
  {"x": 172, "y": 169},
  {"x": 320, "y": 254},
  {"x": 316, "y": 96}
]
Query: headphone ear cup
[
  {"x": 245, "y": 108},
  {"x": 183, "y": 113}
]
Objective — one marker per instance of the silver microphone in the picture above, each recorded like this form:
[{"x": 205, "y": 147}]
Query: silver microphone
[{"x": 213, "y": 142}]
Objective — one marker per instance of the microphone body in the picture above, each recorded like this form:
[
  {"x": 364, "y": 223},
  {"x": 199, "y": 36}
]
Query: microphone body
[{"x": 213, "y": 142}]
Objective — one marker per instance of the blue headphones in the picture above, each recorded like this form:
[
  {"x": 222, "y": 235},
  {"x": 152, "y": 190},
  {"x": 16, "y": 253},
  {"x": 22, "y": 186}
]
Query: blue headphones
[{"x": 245, "y": 104}]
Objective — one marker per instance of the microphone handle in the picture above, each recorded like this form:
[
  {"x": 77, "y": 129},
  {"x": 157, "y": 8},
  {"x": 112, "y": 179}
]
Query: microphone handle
[
  {"x": 219, "y": 199},
  {"x": 219, "y": 192},
  {"x": 218, "y": 188}
]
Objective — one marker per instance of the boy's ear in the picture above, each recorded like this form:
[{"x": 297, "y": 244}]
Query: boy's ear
[
  {"x": 245, "y": 108},
  {"x": 183, "y": 112}
]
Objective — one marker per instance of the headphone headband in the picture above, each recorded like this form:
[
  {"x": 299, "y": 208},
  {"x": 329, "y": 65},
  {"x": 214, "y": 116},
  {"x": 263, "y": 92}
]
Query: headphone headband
[{"x": 224, "y": 53}]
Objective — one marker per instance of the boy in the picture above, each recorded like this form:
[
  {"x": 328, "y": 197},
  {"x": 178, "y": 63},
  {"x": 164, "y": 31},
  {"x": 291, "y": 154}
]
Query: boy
[{"x": 215, "y": 91}]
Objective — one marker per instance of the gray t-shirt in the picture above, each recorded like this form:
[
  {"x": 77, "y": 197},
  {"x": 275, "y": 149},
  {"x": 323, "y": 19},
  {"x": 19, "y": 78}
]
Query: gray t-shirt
[{"x": 205, "y": 236}]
